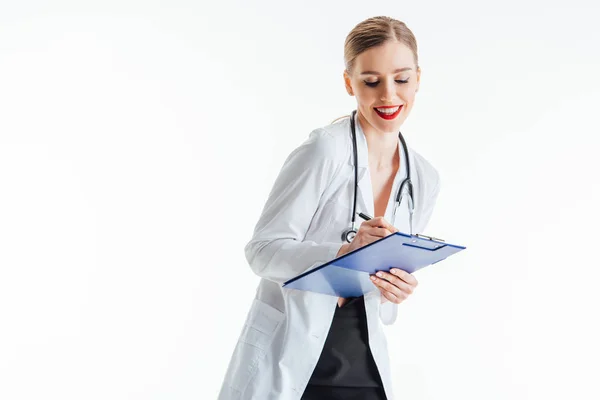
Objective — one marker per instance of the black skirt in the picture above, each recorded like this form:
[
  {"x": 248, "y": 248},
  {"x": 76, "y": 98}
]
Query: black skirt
[{"x": 346, "y": 369}]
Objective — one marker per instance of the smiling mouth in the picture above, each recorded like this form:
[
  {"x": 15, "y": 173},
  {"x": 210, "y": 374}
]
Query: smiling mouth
[{"x": 388, "y": 112}]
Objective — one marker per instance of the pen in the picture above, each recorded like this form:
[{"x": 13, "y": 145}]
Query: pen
[
  {"x": 364, "y": 216},
  {"x": 367, "y": 217}
]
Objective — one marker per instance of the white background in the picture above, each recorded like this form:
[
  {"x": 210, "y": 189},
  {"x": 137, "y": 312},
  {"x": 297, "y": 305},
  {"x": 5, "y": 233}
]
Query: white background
[{"x": 139, "y": 141}]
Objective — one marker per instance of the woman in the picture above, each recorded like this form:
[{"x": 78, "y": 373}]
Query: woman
[{"x": 303, "y": 345}]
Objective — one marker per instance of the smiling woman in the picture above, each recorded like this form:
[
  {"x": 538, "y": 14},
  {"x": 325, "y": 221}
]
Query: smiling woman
[
  {"x": 382, "y": 72},
  {"x": 304, "y": 345}
]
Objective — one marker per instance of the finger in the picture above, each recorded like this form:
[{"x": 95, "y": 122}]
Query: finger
[
  {"x": 371, "y": 234},
  {"x": 394, "y": 280},
  {"x": 365, "y": 240},
  {"x": 381, "y": 222},
  {"x": 379, "y": 232},
  {"x": 390, "y": 296},
  {"x": 405, "y": 276},
  {"x": 384, "y": 284}
]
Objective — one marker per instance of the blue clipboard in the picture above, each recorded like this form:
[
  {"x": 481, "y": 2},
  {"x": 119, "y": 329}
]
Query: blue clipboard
[{"x": 349, "y": 275}]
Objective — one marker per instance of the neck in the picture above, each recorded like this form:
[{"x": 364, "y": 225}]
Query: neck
[{"x": 383, "y": 146}]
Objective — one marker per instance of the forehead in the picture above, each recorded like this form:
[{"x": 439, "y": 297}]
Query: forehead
[{"x": 385, "y": 59}]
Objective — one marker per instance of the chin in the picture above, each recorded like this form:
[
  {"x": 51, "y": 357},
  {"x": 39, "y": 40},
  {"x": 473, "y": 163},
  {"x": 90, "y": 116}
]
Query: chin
[{"x": 388, "y": 126}]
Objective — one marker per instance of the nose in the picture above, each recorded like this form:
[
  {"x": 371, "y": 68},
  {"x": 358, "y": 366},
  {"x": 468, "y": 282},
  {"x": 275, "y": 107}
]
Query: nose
[{"x": 388, "y": 91}]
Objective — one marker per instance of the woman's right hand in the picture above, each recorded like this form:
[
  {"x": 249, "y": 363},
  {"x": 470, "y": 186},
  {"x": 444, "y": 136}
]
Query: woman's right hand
[{"x": 368, "y": 232}]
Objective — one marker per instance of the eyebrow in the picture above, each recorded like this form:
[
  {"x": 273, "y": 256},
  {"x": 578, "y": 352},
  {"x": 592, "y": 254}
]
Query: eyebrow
[{"x": 377, "y": 73}]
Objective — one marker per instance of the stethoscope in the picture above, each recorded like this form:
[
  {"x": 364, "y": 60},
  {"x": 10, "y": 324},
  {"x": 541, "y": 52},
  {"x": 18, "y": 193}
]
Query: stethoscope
[{"x": 405, "y": 187}]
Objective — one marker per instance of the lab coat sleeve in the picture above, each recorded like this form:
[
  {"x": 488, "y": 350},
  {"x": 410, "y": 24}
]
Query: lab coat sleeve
[
  {"x": 277, "y": 250},
  {"x": 388, "y": 311}
]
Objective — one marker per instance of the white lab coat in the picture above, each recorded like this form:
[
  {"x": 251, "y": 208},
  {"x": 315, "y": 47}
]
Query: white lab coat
[{"x": 300, "y": 228}]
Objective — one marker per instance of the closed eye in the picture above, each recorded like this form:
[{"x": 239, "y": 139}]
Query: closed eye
[{"x": 373, "y": 84}]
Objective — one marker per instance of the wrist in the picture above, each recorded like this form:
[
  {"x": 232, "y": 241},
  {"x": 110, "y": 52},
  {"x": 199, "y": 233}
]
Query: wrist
[{"x": 343, "y": 249}]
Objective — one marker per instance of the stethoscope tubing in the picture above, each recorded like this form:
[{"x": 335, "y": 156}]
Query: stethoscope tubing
[{"x": 407, "y": 181}]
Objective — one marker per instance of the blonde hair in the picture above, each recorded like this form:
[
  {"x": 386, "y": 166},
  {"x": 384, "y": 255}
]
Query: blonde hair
[{"x": 373, "y": 32}]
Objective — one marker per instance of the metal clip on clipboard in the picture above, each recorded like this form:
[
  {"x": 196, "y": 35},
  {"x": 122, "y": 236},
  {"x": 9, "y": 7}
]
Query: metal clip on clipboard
[{"x": 429, "y": 237}]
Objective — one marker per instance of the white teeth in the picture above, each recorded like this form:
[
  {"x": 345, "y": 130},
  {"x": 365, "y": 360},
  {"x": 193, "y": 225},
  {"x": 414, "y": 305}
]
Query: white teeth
[{"x": 388, "y": 111}]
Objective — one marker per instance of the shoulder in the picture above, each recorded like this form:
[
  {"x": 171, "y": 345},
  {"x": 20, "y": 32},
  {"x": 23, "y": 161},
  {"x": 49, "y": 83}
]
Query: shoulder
[
  {"x": 329, "y": 142},
  {"x": 427, "y": 188},
  {"x": 427, "y": 173}
]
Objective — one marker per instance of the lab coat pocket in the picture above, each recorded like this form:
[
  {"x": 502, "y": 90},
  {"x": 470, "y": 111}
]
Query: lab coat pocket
[{"x": 262, "y": 323}]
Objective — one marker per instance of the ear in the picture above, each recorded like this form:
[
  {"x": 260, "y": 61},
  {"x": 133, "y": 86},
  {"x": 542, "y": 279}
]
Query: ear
[
  {"x": 418, "y": 79},
  {"x": 348, "y": 83}
]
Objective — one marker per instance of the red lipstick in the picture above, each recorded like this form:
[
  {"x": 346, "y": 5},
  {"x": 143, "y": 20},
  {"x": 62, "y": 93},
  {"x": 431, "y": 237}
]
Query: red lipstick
[{"x": 389, "y": 116}]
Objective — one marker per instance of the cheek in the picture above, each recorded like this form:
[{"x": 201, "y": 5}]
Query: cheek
[
  {"x": 407, "y": 93},
  {"x": 365, "y": 97}
]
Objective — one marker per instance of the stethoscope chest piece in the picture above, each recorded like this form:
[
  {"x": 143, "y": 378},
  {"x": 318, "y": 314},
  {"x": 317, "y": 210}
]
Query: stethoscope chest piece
[{"x": 348, "y": 235}]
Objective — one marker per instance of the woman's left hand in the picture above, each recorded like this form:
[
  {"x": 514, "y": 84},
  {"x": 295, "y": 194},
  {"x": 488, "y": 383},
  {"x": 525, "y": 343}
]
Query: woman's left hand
[{"x": 395, "y": 286}]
